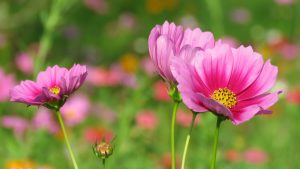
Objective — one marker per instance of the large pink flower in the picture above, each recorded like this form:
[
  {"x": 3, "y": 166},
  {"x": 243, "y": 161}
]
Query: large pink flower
[
  {"x": 165, "y": 42},
  {"x": 52, "y": 86},
  {"x": 226, "y": 81}
]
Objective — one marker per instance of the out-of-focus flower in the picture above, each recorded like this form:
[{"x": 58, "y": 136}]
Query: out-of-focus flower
[
  {"x": 129, "y": 62},
  {"x": 237, "y": 91},
  {"x": 94, "y": 134},
  {"x": 232, "y": 155},
  {"x": 161, "y": 91},
  {"x": 18, "y": 124},
  {"x": 75, "y": 110},
  {"x": 240, "y": 15},
  {"x": 148, "y": 66},
  {"x": 43, "y": 119},
  {"x": 52, "y": 88},
  {"x": 146, "y": 120},
  {"x": 189, "y": 21},
  {"x": 293, "y": 96},
  {"x": 127, "y": 79},
  {"x": 285, "y": 2},
  {"x": 255, "y": 156},
  {"x": 71, "y": 32},
  {"x": 105, "y": 113},
  {"x": 24, "y": 63},
  {"x": 98, "y": 6},
  {"x": 7, "y": 83},
  {"x": 166, "y": 161},
  {"x": 103, "y": 77},
  {"x": 20, "y": 164},
  {"x": 185, "y": 118},
  {"x": 166, "y": 42},
  {"x": 127, "y": 20},
  {"x": 154, "y": 6},
  {"x": 279, "y": 44}
]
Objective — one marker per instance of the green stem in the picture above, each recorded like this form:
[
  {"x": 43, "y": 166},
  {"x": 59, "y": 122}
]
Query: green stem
[
  {"x": 173, "y": 134},
  {"x": 187, "y": 141},
  {"x": 215, "y": 146},
  {"x": 61, "y": 122},
  {"x": 103, "y": 162}
]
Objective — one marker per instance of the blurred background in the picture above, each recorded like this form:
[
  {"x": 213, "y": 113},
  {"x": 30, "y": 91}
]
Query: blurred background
[{"x": 123, "y": 101}]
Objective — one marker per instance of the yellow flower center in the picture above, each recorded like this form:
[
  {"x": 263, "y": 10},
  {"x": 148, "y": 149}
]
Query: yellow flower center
[
  {"x": 225, "y": 97},
  {"x": 55, "y": 90}
]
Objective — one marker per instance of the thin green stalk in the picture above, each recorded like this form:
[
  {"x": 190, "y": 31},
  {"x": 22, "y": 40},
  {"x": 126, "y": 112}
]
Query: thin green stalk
[
  {"x": 103, "y": 162},
  {"x": 61, "y": 122},
  {"x": 173, "y": 134},
  {"x": 215, "y": 146},
  {"x": 187, "y": 141}
]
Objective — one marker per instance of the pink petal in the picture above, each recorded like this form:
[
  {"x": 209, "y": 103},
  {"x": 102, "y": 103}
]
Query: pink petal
[{"x": 197, "y": 38}]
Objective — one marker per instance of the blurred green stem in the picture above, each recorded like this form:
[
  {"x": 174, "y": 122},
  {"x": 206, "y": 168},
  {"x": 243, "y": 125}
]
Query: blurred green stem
[
  {"x": 187, "y": 141},
  {"x": 49, "y": 22},
  {"x": 215, "y": 10},
  {"x": 103, "y": 162},
  {"x": 216, "y": 140},
  {"x": 176, "y": 103},
  {"x": 61, "y": 122}
]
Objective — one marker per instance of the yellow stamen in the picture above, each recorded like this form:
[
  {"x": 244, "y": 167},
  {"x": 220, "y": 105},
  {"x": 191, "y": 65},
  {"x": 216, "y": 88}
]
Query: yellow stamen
[
  {"x": 55, "y": 90},
  {"x": 225, "y": 97}
]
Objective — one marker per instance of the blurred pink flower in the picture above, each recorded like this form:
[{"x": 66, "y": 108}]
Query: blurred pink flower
[
  {"x": 146, "y": 120},
  {"x": 75, "y": 110},
  {"x": 161, "y": 91},
  {"x": 43, "y": 119},
  {"x": 255, "y": 156},
  {"x": 52, "y": 86},
  {"x": 290, "y": 51},
  {"x": 71, "y": 32},
  {"x": 232, "y": 155},
  {"x": 127, "y": 20},
  {"x": 148, "y": 66},
  {"x": 185, "y": 118},
  {"x": 98, "y": 6},
  {"x": 94, "y": 134},
  {"x": 285, "y": 2},
  {"x": 105, "y": 113},
  {"x": 103, "y": 77},
  {"x": 7, "y": 83},
  {"x": 293, "y": 96},
  {"x": 166, "y": 41},
  {"x": 24, "y": 63},
  {"x": 230, "y": 82},
  {"x": 231, "y": 41},
  {"x": 18, "y": 124},
  {"x": 240, "y": 15}
]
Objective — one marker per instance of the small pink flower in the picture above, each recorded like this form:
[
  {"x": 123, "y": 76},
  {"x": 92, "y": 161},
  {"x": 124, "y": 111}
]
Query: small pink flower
[
  {"x": 146, "y": 120},
  {"x": 93, "y": 135},
  {"x": 285, "y": 2},
  {"x": 240, "y": 15},
  {"x": 255, "y": 156},
  {"x": 25, "y": 63},
  {"x": 165, "y": 42},
  {"x": 185, "y": 118},
  {"x": 232, "y": 155},
  {"x": 127, "y": 20},
  {"x": 293, "y": 96},
  {"x": 75, "y": 110},
  {"x": 161, "y": 91},
  {"x": 7, "y": 83},
  {"x": 18, "y": 124},
  {"x": 103, "y": 77},
  {"x": 226, "y": 81},
  {"x": 52, "y": 86},
  {"x": 98, "y": 6},
  {"x": 43, "y": 119}
]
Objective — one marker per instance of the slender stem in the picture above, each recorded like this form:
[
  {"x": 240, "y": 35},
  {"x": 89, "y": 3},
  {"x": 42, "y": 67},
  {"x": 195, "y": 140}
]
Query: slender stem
[
  {"x": 61, "y": 122},
  {"x": 187, "y": 141},
  {"x": 103, "y": 162},
  {"x": 215, "y": 146},
  {"x": 173, "y": 134}
]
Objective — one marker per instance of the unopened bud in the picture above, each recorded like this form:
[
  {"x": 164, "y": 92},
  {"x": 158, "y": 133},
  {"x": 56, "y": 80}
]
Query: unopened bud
[{"x": 103, "y": 149}]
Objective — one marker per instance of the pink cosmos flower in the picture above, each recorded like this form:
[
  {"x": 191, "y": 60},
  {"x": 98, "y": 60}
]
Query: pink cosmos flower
[
  {"x": 18, "y": 124},
  {"x": 94, "y": 134},
  {"x": 43, "y": 119},
  {"x": 5, "y": 87},
  {"x": 25, "y": 63},
  {"x": 52, "y": 86},
  {"x": 255, "y": 156},
  {"x": 146, "y": 120},
  {"x": 165, "y": 42},
  {"x": 226, "y": 81},
  {"x": 75, "y": 110}
]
